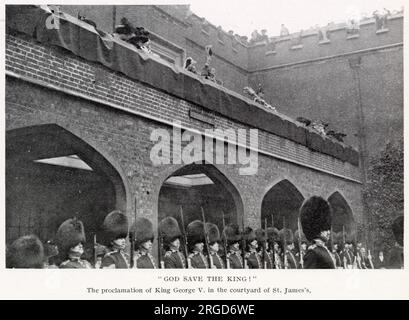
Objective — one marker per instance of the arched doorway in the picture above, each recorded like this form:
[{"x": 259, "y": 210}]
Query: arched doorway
[
  {"x": 197, "y": 186},
  {"x": 282, "y": 200},
  {"x": 341, "y": 213},
  {"x": 52, "y": 175}
]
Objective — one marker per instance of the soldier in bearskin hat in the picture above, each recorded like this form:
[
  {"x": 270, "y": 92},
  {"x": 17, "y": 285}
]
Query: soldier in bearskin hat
[
  {"x": 195, "y": 235},
  {"x": 287, "y": 239},
  {"x": 143, "y": 233},
  {"x": 114, "y": 233},
  {"x": 302, "y": 244},
  {"x": 50, "y": 255},
  {"x": 170, "y": 235},
  {"x": 273, "y": 239},
  {"x": 232, "y": 237},
  {"x": 213, "y": 235},
  {"x": 347, "y": 254},
  {"x": 70, "y": 239},
  {"x": 26, "y": 252},
  {"x": 262, "y": 242},
  {"x": 315, "y": 216},
  {"x": 395, "y": 260},
  {"x": 336, "y": 242},
  {"x": 252, "y": 256}
]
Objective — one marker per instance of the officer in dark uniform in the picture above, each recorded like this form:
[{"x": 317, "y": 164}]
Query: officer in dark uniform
[
  {"x": 252, "y": 256},
  {"x": 195, "y": 235},
  {"x": 213, "y": 235},
  {"x": 143, "y": 235},
  {"x": 232, "y": 236},
  {"x": 115, "y": 231},
  {"x": 395, "y": 260},
  {"x": 170, "y": 235},
  {"x": 267, "y": 262},
  {"x": 315, "y": 217},
  {"x": 26, "y": 252},
  {"x": 287, "y": 239},
  {"x": 70, "y": 239}
]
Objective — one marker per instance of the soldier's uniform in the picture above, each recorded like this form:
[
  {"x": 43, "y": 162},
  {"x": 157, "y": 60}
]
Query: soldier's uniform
[
  {"x": 287, "y": 238},
  {"x": 69, "y": 235},
  {"x": 213, "y": 236},
  {"x": 168, "y": 232},
  {"x": 291, "y": 260},
  {"x": 315, "y": 216},
  {"x": 265, "y": 258},
  {"x": 273, "y": 238},
  {"x": 143, "y": 233},
  {"x": 115, "y": 226},
  {"x": 25, "y": 252},
  {"x": 231, "y": 235},
  {"x": 395, "y": 260},
  {"x": 195, "y": 233},
  {"x": 252, "y": 257}
]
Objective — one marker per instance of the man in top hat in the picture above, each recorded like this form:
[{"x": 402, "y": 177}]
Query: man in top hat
[
  {"x": 262, "y": 242},
  {"x": 26, "y": 252},
  {"x": 273, "y": 238},
  {"x": 290, "y": 262},
  {"x": 231, "y": 235},
  {"x": 114, "y": 233},
  {"x": 316, "y": 217},
  {"x": 70, "y": 239},
  {"x": 395, "y": 260},
  {"x": 170, "y": 235},
  {"x": 213, "y": 235},
  {"x": 143, "y": 233},
  {"x": 195, "y": 235},
  {"x": 252, "y": 256}
]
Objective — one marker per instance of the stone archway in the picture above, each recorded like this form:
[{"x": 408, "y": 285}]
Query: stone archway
[
  {"x": 53, "y": 175},
  {"x": 197, "y": 186},
  {"x": 342, "y": 215},
  {"x": 283, "y": 200}
]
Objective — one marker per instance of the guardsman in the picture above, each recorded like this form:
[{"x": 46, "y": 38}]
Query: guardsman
[
  {"x": 273, "y": 238},
  {"x": 214, "y": 245},
  {"x": 335, "y": 249},
  {"x": 143, "y": 231},
  {"x": 316, "y": 217},
  {"x": 287, "y": 238},
  {"x": 114, "y": 233},
  {"x": 50, "y": 255},
  {"x": 231, "y": 235},
  {"x": 262, "y": 242},
  {"x": 347, "y": 255},
  {"x": 395, "y": 260},
  {"x": 170, "y": 235},
  {"x": 26, "y": 252},
  {"x": 70, "y": 239},
  {"x": 302, "y": 244},
  {"x": 195, "y": 235},
  {"x": 252, "y": 256}
]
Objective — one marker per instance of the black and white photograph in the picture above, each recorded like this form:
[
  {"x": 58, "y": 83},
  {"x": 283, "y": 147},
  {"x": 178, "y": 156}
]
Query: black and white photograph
[{"x": 204, "y": 135}]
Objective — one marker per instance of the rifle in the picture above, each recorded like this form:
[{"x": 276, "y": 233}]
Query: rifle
[
  {"x": 343, "y": 245},
  {"x": 243, "y": 245},
  {"x": 161, "y": 262},
  {"x": 285, "y": 246},
  {"x": 274, "y": 250},
  {"x": 265, "y": 243},
  {"x": 206, "y": 239},
  {"x": 184, "y": 238},
  {"x": 225, "y": 243},
  {"x": 299, "y": 244},
  {"x": 132, "y": 242},
  {"x": 95, "y": 250}
]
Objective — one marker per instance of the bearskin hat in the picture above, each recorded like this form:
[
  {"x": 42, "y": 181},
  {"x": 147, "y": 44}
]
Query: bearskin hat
[
  {"x": 273, "y": 235},
  {"x": 231, "y": 233},
  {"x": 315, "y": 216},
  {"x": 337, "y": 237},
  {"x": 143, "y": 231},
  {"x": 25, "y": 252},
  {"x": 261, "y": 235},
  {"x": 115, "y": 226},
  {"x": 213, "y": 233},
  {"x": 286, "y": 236},
  {"x": 69, "y": 234},
  {"x": 397, "y": 228},
  {"x": 195, "y": 232},
  {"x": 249, "y": 235},
  {"x": 169, "y": 230}
]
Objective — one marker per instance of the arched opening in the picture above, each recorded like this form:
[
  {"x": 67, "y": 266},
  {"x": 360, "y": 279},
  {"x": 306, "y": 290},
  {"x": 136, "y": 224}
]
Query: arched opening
[
  {"x": 341, "y": 213},
  {"x": 52, "y": 175},
  {"x": 200, "y": 186},
  {"x": 283, "y": 200}
]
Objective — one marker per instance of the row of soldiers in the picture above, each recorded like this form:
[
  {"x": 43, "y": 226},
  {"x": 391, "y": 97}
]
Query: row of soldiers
[{"x": 202, "y": 245}]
